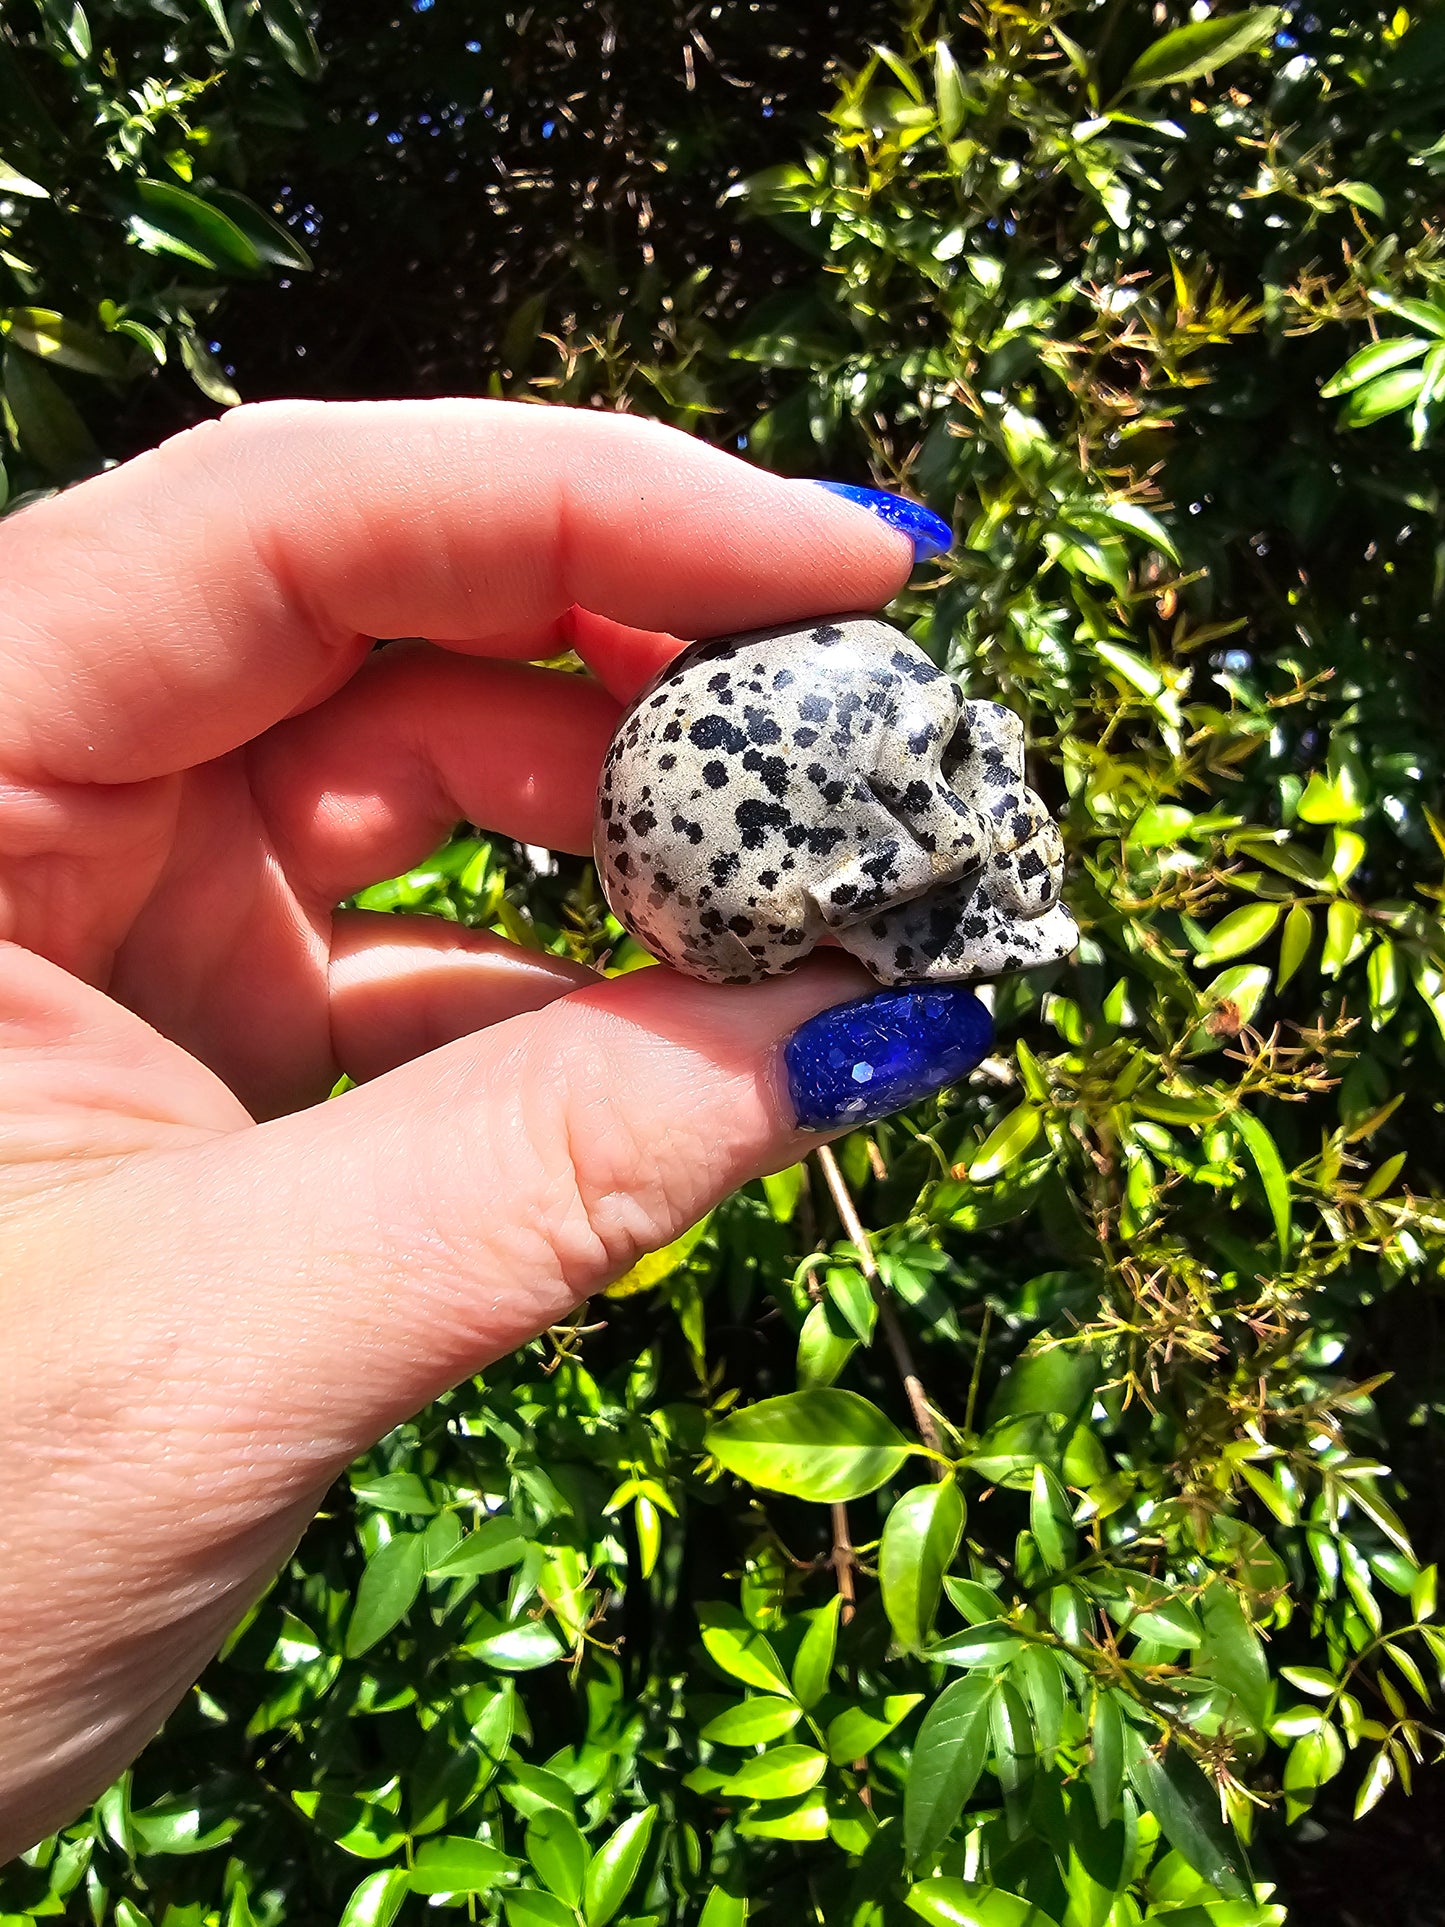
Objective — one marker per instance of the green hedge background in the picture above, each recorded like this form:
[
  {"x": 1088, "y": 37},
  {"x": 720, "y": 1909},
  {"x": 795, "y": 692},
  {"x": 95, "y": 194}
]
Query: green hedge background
[{"x": 1025, "y": 1515}]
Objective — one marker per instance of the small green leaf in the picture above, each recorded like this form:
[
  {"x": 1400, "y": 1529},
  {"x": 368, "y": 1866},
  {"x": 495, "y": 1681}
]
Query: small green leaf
[
  {"x": 753, "y": 1722},
  {"x": 741, "y": 1650},
  {"x": 1273, "y": 1178},
  {"x": 808, "y": 1819},
  {"x": 948, "y": 91},
  {"x": 1375, "y": 358},
  {"x": 1051, "y": 1520},
  {"x": 527, "y": 1907},
  {"x": 615, "y": 1866},
  {"x": 1233, "y": 1654},
  {"x": 376, "y": 1900},
  {"x": 852, "y": 1735},
  {"x": 1241, "y": 931},
  {"x": 968, "y": 1903},
  {"x": 1376, "y": 1783},
  {"x": 920, "y": 1537},
  {"x": 1342, "y": 925},
  {"x": 496, "y": 1543},
  {"x": 1192, "y": 51},
  {"x": 1006, "y": 1143},
  {"x": 780, "y": 1774},
  {"x": 558, "y": 1854},
  {"x": 1294, "y": 943},
  {"x": 784, "y": 1189},
  {"x": 1106, "y": 1757},
  {"x": 451, "y": 1864},
  {"x": 1187, "y": 1809},
  {"x": 822, "y": 1445},
  {"x": 1315, "y": 1758},
  {"x": 825, "y": 1345},
  {"x": 1387, "y": 394},
  {"x": 722, "y": 1909},
  {"x": 948, "y": 1757},
  {"x": 849, "y": 1291},
  {"x": 387, "y": 1591},
  {"x": 813, "y": 1666}
]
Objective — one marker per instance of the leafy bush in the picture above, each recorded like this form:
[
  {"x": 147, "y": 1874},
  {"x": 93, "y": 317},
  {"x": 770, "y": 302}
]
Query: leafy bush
[{"x": 990, "y": 1522}]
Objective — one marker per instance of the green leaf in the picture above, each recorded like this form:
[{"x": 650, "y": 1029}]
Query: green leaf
[
  {"x": 181, "y": 1825},
  {"x": 173, "y": 220},
  {"x": 558, "y": 1854},
  {"x": 1140, "y": 674},
  {"x": 1040, "y": 1678},
  {"x": 396, "y": 1492},
  {"x": 205, "y": 371},
  {"x": 780, "y": 1774},
  {"x": 1431, "y": 391},
  {"x": 813, "y": 1666},
  {"x": 1242, "y": 930},
  {"x": 1315, "y": 1758},
  {"x": 1160, "y": 825},
  {"x": 1294, "y": 943},
  {"x": 722, "y": 1909},
  {"x": 387, "y": 1591},
  {"x": 1106, "y": 1757},
  {"x": 968, "y": 1903},
  {"x": 1375, "y": 358},
  {"x": 1051, "y": 1520},
  {"x": 1429, "y": 315},
  {"x": 753, "y": 1722},
  {"x": 356, "y": 1826},
  {"x": 1342, "y": 926},
  {"x": 1233, "y": 1654},
  {"x": 275, "y": 245},
  {"x": 849, "y": 1291},
  {"x": 852, "y": 1735},
  {"x": 948, "y": 91},
  {"x": 1273, "y": 1178},
  {"x": 1006, "y": 1143},
  {"x": 518, "y": 1648},
  {"x": 1376, "y": 1783},
  {"x": 821, "y": 1445},
  {"x": 615, "y": 1866},
  {"x": 450, "y": 1864},
  {"x": 741, "y": 1650},
  {"x": 496, "y": 1543},
  {"x": 48, "y": 425},
  {"x": 824, "y": 1346},
  {"x": 1187, "y": 1809},
  {"x": 527, "y": 1907},
  {"x": 376, "y": 1901},
  {"x": 65, "y": 344},
  {"x": 807, "y": 1819},
  {"x": 948, "y": 1757},
  {"x": 1361, "y": 194},
  {"x": 920, "y": 1538},
  {"x": 288, "y": 25},
  {"x": 1386, "y": 395},
  {"x": 783, "y": 1191},
  {"x": 1190, "y": 52}
]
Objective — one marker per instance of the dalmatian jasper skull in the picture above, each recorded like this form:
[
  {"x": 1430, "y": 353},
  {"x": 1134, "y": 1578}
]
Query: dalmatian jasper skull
[{"x": 772, "y": 789}]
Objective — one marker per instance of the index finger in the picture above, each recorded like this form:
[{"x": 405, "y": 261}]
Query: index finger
[{"x": 173, "y": 609}]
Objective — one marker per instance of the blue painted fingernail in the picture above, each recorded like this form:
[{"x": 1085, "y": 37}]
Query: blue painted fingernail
[
  {"x": 862, "y": 1060},
  {"x": 929, "y": 533}
]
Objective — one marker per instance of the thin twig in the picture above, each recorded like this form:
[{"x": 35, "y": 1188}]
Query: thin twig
[
  {"x": 887, "y": 1318},
  {"x": 843, "y": 1562}
]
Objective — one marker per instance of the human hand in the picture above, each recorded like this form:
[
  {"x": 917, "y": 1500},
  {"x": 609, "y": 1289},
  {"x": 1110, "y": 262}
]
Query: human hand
[{"x": 207, "y": 1317}]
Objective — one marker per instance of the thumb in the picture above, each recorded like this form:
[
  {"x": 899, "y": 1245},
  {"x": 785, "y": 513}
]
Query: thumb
[{"x": 328, "y": 1273}]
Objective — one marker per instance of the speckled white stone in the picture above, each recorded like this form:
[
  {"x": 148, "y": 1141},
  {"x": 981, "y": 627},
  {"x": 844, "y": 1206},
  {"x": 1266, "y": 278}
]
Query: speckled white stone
[{"x": 826, "y": 779}]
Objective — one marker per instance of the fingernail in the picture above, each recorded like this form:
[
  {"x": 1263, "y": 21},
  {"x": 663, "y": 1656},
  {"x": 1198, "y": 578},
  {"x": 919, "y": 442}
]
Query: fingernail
[
  {"x": 862, "y": 1060},
  {"x": 929, "y": 533}
]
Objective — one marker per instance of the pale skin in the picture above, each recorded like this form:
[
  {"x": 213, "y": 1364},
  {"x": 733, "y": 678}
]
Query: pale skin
[{"x": 216, "y": 1289}]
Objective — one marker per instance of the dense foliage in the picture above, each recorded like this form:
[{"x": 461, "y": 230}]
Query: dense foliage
[{"x": 992, "y": 1522}]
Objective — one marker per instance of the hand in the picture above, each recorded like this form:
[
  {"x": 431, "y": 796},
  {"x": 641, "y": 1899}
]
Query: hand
[{"x": 207, "y": 1317}]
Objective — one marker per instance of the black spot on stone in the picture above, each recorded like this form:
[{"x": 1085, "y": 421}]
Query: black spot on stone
[
  {"x": 1031, "y": 865},
  {"x": 722, "y": 867},
  {"x": 622, "y": 863},
  {"x": 672, "y": 732},
  {"x": 826, "y": 633},
  {"x": 755, "y": 818},
  {"x": 843, "y": 893},
  {"x": 772, "y": 769},
  {"x": 783, "y": 679},
  {"x": 715, "y": 774},
  {"x": 721, "y": 681},
  {"x": 716, "y": 732},
  {"x": 665, "y": 885},
  {"x": 805, "y": 738},
  {"x": 915, "y": 798},
  {"x": 761, "y": 726},
  {"x": 684, "y": 826},
  {"x": 814, "y": 708},
  {"x": 920, "y": 743},
  {"x": 667, "y": 761},
  {"x": 768, "y": 879},
  {"x": 642, "y": 821},
  {"x": 917, "y": 668},
  {"x": 712, "y": 920},
  {"x": 742, "y": 926}
]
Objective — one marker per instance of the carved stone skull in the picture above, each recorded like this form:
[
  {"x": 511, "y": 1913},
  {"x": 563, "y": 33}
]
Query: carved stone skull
[{"x": 771, "y": 789}]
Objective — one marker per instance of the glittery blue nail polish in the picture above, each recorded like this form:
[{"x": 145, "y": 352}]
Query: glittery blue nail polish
[
  {"x": 860, "y": 1061},
  {"x": 929, "y": 533}
]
